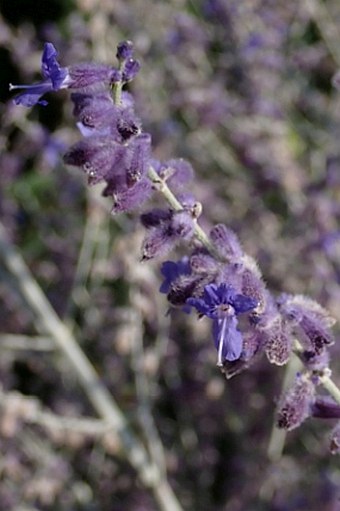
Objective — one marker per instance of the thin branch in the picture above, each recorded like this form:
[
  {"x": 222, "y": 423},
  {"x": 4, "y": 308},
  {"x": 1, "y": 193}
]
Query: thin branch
[
  {"x": 25, "y": 342},
  {"x": 144, "y": 410},
  {"x": 30, "y": 410},
  {"x": 97, "y": 393}
]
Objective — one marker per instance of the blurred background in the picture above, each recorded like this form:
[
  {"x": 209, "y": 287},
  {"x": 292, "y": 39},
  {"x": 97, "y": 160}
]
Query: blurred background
[{"x": 243, "y": 90}]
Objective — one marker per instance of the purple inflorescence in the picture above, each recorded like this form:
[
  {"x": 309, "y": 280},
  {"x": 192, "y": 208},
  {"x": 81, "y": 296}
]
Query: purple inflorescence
[{"x": 217, "y": 278}]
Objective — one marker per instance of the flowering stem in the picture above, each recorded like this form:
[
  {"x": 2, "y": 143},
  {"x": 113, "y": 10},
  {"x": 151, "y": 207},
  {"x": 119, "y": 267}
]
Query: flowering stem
[{"x": 163, "y": 188}]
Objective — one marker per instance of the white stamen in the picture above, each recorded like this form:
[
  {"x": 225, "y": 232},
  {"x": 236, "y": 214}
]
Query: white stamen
[{"x": 221, "y": 338}]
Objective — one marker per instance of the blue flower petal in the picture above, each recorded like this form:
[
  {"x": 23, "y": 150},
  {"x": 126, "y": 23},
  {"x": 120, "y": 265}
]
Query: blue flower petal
[
  {"x": 228, "y": 339},
  {"x": 242, "y": 303},
  {"x": 171, "y": 270}
]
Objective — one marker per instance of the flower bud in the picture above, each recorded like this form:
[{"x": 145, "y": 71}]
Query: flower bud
[
  {"x": 124, "y": 50},
  {"x": 226, "y": 242},
  {"x": 296, "y": 405}
]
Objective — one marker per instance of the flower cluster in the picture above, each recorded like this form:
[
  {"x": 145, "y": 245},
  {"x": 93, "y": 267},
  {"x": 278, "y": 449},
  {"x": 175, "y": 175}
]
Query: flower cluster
[{"x": 217, "y": 279}]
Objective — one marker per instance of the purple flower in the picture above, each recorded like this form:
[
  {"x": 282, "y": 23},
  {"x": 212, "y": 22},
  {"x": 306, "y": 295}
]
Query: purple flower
[
  {"x": 222, "y": 304},
  {"x": 55, "y": 78},
  {"x": 173, "y": 270}
]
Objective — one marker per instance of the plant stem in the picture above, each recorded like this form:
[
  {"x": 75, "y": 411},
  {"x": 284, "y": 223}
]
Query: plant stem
[
  {"x": 105, "y": 405},
  {"x": 330, "y": 386}
]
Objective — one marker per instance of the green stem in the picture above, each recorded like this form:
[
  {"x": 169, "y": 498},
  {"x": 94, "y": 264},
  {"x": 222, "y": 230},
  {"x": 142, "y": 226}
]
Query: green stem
[
  {"x": 117, "y": 93},
  {"x": 330, "y": 386}
]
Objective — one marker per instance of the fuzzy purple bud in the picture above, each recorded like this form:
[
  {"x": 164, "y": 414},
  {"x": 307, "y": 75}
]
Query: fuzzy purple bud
[
  {"x": 315, "y": 361},
  {"x": 96, "y": 114},
  {"x": 177, "y": 172},
  {"x": 99, "y": 157},
  {"x": 124, "y": 50},
  {"x": 276, "y": 333},
  {"x": 296, "y": 404},
  {"x": 311, "y": 321},
  {"x": 90, "y": 77},
  {"x": 156, "y": 244},
  {"x": 204, "y": 264},
  {"x": 137, "y": 158},
  {"x": 155, "y": 217},
  {"x": 277, "y": 341},
  {"x": 226, "y": 242},
  {"x": 128, "y": 124},
  {"x": 131, "y": 69},
  {"x": 129, "y": 199},
  {"x": 161, "y": 239},
  {"x": 253, "y": 285}
]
